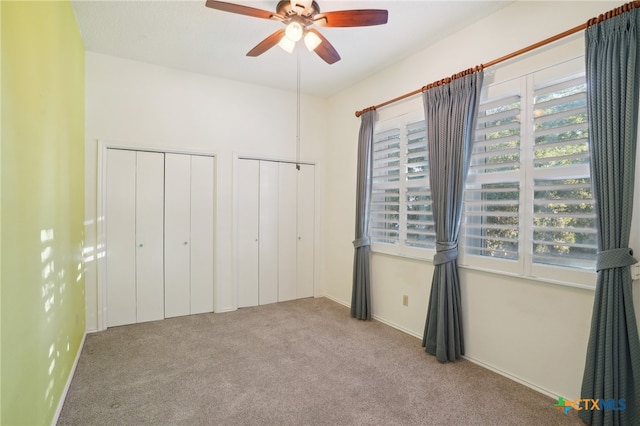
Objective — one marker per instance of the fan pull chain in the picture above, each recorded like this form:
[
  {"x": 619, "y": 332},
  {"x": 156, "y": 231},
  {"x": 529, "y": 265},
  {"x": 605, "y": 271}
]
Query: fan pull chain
[{"x": 298, "y": 114}]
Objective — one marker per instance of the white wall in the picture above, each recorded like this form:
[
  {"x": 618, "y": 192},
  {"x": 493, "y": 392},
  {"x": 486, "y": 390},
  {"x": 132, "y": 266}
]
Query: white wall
[
  {"x": 532, "y": 331},
  {"x": 141, "y": 105}
]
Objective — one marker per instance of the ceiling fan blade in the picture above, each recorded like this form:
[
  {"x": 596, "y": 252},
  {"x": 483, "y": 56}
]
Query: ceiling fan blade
[
  {"x": 267, "y": 43},
  {"x": 242, "y": 10},
  {"x": 352, "y": 18},
  {"x": 325, "y": 50}
]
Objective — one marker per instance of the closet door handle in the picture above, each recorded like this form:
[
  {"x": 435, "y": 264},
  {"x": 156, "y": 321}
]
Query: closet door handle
[
  {"x": 185, "y": 243},
  {"x": 140, "y": 245}
]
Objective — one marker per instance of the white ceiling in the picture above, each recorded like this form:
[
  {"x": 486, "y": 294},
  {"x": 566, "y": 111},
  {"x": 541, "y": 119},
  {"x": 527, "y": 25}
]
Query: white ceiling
[{"x": 184, "y": 34}]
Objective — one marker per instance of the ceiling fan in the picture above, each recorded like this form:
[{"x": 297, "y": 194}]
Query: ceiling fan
[{"x": 299, "y": 16}]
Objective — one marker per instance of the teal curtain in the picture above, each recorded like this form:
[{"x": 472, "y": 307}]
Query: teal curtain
[
  {"x": 361, "y": 293},
  {"x": 450, "y": 114},
  {"x": 612, "y": 368}
]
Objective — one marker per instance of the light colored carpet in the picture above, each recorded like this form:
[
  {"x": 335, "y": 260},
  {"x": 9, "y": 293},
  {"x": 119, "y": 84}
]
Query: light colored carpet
[{"x": 304, "y": 362}]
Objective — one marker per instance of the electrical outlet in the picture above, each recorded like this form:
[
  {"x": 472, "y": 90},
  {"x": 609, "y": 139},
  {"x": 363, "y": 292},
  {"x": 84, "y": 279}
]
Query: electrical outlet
[
  {"x": 635, "y": 272},
  {"x": 405, "y": 300}
]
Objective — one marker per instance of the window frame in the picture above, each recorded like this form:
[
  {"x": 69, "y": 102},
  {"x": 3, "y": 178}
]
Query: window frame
[
  {"x": 401, "y": 115},
  {"x": 523, "y": 267}
]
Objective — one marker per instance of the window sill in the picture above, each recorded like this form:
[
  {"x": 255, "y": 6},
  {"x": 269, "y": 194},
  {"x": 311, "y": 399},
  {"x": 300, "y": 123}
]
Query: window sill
[
  {"x": 531, "y": 278},
  {"x": 392, "y": 250}
]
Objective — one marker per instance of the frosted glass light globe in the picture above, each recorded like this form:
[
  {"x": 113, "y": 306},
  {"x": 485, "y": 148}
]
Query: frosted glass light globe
[{"x": 293, "y": 31}]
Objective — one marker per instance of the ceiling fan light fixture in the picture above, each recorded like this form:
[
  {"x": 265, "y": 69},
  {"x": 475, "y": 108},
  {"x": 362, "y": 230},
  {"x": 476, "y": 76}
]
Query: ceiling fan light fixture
[
  {"x": 287, "y": 44},
  {"x": 294, "y": 31},
  {"x": 311, "y": 40}
]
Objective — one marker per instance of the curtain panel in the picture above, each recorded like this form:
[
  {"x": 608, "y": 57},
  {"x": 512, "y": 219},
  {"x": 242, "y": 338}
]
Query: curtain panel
[
  {"x": 361, "y": 292},
  {"x": 450, "y": 113},
  {"x": 612, "y": 367}
]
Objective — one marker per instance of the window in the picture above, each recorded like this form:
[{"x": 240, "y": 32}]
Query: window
[
  {"x": 563, "y": 223},
  {"x": 385, "y": 194},
  {"x": 529, "y": 210},
  {"x": 401, "y": 216},
  {"x": 528, "y": 205},
  {"x": 492, "y": 195}
]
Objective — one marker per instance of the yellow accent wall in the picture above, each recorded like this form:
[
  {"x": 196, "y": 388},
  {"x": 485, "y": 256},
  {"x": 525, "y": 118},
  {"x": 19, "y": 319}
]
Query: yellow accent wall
[{"x": 42, "y": 310}]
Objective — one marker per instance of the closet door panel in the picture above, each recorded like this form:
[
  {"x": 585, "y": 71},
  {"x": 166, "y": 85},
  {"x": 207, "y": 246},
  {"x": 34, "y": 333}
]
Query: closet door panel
[
  {"x": 248, "y": 213},
  {"x": 287, "y": 232},
  {"x": 120, "y": 237},
  {"x": 149, "y": 236},
  {"x": 306, "y": 230},
  {"x": 202, "y": 223},
  {"x": 268, "y": 229},
  {"x": 177, "y": 202}
]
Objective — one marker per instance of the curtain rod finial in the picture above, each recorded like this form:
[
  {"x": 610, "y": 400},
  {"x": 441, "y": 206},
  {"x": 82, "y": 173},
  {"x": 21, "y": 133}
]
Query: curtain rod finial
[{"x": 359, "y": 113}]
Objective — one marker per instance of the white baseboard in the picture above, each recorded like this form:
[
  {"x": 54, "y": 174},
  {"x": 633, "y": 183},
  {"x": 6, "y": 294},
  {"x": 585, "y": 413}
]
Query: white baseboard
[
  {"x": 377, "y": 318},
  {"x": 69, "y": 379},
  {"x": 512, "y": 377},
  {"x": 468, "y": 358},
  {"x": 342, "y": 302},
  {"x": 223, "y": 310},
  {"x": 397, "y": 327}
]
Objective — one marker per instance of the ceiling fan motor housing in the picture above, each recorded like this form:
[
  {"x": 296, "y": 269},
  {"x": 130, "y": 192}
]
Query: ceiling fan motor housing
[{"x": 284, "y": 9}]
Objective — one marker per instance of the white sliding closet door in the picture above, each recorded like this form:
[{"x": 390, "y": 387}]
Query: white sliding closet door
[
  {"x": 287, "y": 205},
  {"x": 177, "y": 232},
  {"x": 202, "y": 233},
  {"x": 159, "y": 235},
  {"x": 248, "y": 211},
  {"x": 268, "y": 233},
  {"x": 276, "y": 225},
  {"x": 188, "y": 235},
  {"x": 121, "y": 237},
  {"x": 134, "y": 236},
  {"x": 306, "y": 224},
  {"x": 149, "y": 239}
]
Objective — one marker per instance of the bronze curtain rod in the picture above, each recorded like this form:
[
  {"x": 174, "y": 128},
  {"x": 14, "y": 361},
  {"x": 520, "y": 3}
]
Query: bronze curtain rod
[{"x": 603, "y": 17}]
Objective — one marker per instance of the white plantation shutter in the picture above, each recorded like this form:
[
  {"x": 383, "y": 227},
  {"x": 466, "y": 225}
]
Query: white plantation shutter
[
  {"x": 401, "y": 212},
  {"x": 420, "y": 229},
  {"x": 385, "y": 196},
  {"x": 563, "y": 216},
  {"x": 497, "y": 144},
  {"x": 528, "y": 202},
  {"x": 491, "y": 222}
]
